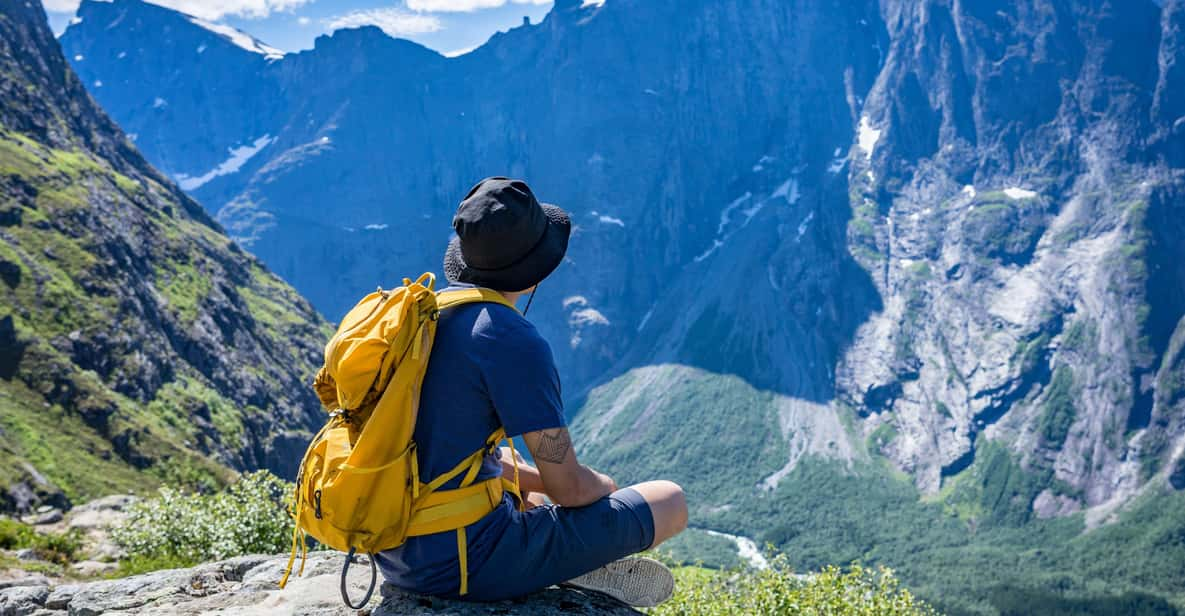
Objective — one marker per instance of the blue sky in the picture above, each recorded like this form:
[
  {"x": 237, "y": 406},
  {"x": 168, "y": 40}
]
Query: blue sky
[{"x": 447, "y": 26}]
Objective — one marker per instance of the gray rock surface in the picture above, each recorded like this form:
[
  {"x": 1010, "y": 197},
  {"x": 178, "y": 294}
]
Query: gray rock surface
[{"x": 248, "y": 586}]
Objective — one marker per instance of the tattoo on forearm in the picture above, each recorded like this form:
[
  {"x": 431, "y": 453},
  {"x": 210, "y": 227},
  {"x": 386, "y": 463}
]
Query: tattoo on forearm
[{"x": 553, "y": 446}]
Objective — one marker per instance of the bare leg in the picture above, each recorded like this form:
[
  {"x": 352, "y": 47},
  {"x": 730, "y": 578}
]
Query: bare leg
[{"x": 668, "y": 505}]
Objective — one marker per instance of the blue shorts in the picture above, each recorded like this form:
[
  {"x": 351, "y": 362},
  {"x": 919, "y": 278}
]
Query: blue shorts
[{"x": 549, "y": 544}]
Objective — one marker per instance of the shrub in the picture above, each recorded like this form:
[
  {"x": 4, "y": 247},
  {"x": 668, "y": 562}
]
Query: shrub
[
  {"x": 859, "y": 591},
  {"x": 59, "y": 548},
  {"x": 176, "y": 529}
]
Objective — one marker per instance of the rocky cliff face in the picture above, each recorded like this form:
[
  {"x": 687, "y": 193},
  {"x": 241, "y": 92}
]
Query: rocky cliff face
[
  {"x": 137, "y": 342},
  {"x": 1018, "y": 207}
]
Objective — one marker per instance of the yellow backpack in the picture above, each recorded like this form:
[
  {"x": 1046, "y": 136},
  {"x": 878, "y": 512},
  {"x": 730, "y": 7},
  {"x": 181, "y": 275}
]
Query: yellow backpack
[{"x": 359, "y": 487}]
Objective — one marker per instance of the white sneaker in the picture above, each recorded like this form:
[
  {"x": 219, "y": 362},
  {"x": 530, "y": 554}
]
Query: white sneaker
[{"x": 635, "y": 581}]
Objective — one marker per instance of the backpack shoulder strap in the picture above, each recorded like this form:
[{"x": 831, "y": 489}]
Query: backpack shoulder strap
[{"x": 449, "y": 299}]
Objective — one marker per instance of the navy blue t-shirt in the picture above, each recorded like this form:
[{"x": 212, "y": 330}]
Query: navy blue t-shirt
[{"x": 489, "y": 367}]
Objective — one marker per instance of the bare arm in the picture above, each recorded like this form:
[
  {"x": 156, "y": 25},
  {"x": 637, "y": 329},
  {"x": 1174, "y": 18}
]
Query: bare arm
[
  {"x": 529, "y": 479},
  {"x": 567, "y": 482}
]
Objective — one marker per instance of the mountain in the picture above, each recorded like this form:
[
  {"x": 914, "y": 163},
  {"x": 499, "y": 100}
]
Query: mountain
[
  {"x": 138, "y": 344},
  {"x": 891, "y": 281}
]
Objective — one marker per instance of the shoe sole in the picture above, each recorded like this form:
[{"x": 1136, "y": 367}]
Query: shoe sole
[{"x": 637, "y": 582}]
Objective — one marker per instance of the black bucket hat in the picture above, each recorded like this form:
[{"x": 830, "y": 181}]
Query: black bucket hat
[{"x": 506, "y": 240}]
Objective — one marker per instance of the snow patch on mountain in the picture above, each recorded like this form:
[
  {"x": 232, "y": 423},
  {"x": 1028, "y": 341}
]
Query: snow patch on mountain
[
  {"x": 238, "y": 157},
  {"x": 788, "y": 191},
  {"x": 1015, "y": 192},
  {"x": 803, "y": 226},
  {"x": 606, "y": 219},
  {"x": 760, "y": 166},
  {"x": 237, "y": 37},
  {"x": 646, "y": 318},
  {"x": 456, "y": 53},
  {"x": 867, "y": 137},
  {"x": 726, "y": 213},
  {"x": 716, "y": 244}
]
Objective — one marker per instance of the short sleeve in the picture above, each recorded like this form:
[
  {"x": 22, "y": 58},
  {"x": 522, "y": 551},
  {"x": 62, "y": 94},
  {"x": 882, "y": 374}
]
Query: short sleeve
[{"x": 523, "y": 384}]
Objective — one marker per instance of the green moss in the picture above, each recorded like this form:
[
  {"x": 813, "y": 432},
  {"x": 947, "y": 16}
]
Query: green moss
[
  {"x": 184, "y": 287},
  {"x": 60, "y": 447},
  {"x": 986, "y": 208},
  {"x": 1030, "y": 352},
  {"x": 1081, "y": 335},
  {"x": 882, "y": 436},
  {"x": 16, "y": 157},
  {"x": 270, "y": 301},
  {"x": 177, "y": 402},
  {"x": 74, "y": 163},
  {"x": 1058, "y": 412},
  {"x": 127, "y": 184},
  {"x": 920, "y": 270}
]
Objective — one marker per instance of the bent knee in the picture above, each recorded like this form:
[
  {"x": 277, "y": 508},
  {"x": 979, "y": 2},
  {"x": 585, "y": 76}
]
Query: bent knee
[
  {"x": 678, "y": 504},
  {"x": 668, "y": 506}
]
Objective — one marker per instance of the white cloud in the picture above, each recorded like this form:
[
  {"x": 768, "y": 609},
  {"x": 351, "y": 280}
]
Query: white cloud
[
  {"x": 395, "y": 22},
  {"x": 304, "y": 21},
  {"x": 463, "y": 6},
  {"x": 206, "y": 9}
]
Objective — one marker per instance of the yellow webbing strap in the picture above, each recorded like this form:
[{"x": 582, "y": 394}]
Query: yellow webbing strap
[
  {"x": 463, "y": 557},
  {"x": 448, "y": 299},
  {"x": 448, "y": 509},
  {"x": 298, "y": 534},
  {"x": 518, "y": 495}
]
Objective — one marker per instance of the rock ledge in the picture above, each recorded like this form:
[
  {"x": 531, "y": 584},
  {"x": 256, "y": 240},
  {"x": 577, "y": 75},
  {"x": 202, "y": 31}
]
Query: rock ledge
[{"x": 247, "y": 586}]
